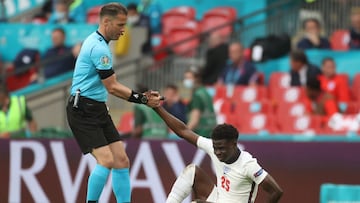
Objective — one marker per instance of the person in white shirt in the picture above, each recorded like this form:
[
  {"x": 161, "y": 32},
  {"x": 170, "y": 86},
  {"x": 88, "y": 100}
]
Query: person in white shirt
[{"x": 238, "y": 173}]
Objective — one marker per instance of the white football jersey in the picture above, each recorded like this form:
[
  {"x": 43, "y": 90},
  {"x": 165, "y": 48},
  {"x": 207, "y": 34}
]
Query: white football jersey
[{"x": 237, "y": 182}]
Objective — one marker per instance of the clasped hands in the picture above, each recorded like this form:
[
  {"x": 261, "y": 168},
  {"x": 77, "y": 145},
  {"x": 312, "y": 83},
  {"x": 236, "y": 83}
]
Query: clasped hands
[{"x": 154, "y": 98}]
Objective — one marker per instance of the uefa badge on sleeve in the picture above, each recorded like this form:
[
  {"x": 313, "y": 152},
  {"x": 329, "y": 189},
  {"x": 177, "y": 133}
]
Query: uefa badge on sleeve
[{"x": 105, "y": 60}]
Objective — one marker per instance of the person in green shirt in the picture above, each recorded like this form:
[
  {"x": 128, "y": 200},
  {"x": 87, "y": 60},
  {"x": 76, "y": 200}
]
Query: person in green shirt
[
  {"x": 14, "y": 114},
  {"x": 201, "y": 115},
  {"x": 147, "y": 123}
]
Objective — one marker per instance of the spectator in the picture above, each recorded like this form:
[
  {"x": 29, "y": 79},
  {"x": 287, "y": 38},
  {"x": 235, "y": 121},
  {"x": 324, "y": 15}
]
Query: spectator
[
  {"x": 173, "y": 103},
  {"x": 14, "y": 113},
  {"x": 25, "y": 70},
  {"x": 239, "y": 71},
  {"x": 135, "y": 19},
  {"x": 355, "y": 29},
  {"x": 202, "y": 118},
  {"x": 216, "y": 57},
  {"x": 301, "y": 69},
  {"x": 148, "y": 124},
  {"x": 59, "y": 58},
  {"x": 312, "y": 38},
  {"x": 60, "y": 14},
  {"x": 333, "y": 83},
  {"x": 319, "y": 102}
]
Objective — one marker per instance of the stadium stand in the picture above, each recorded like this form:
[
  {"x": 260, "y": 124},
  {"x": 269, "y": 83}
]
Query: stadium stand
[{"x": 182, "y": 25}]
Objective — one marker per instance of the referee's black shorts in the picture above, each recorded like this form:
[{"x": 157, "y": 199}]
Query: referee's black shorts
[{"x": 91, "y": 124}]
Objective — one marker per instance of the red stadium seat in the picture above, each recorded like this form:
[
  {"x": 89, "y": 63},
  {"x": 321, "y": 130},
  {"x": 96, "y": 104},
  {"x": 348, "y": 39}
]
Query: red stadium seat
[
  {"x": 230, "y": 12},
  {"x": 220, "y": 92},
  {"x": 217, "y": 17},
  {"x": 340, "y": 124},
  {"x": 288, "y": 95},
  {"x": 299, "y": 124},
  {"x": 253, "y": 123},
  {"x": 255, "y": 107},
  {"x": 223, "y": 106},
  {"x": 126, "y": 123},
  {"x": 175, "y": 17},
  {"x": 92, "y": 15},
  {"x": 291, "y": 109},
  {"x": 339, "y": 40},
  {"x": 279, "y": 80},
  {"x": 352, "y": 108},
  {"x": 181, "y": 33},
  {"x": 356, "y": 87},
  {"x": 18, "y": 81},
  {"x": 249, "y": 93}
]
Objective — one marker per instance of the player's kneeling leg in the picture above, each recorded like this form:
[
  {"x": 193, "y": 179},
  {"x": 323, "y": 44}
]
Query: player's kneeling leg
[{"x": 183, "y": 185}]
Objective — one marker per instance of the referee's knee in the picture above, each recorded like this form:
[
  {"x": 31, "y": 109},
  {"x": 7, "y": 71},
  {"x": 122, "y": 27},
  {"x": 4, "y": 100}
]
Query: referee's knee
[
  {"x": 122, "y": 162},
  {"x": 106, "y": 160}
]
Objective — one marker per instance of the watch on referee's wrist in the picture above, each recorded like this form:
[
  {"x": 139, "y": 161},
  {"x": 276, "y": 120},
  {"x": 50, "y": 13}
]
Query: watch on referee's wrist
[
  {"x": 138, "y": 98},
  {"x": 144, "y": 99}
]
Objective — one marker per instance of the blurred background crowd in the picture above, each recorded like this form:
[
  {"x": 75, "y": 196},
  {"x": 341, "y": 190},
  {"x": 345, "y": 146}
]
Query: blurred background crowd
[{"x": 275, "y": 67}]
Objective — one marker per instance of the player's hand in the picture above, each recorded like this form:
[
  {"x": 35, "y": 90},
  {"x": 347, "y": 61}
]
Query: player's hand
[{"x": 154, "y": 98}]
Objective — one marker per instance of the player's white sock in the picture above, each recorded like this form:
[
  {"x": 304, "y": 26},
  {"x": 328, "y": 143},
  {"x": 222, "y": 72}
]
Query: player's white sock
[{"x": 183, "y": 185}]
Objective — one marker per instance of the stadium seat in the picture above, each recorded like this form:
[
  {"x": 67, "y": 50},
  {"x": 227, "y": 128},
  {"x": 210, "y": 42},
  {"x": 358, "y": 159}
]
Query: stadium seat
[
  {"x": 223, "y": 91},
  {"x": 230, "y": 12},
  {"x": 223, "y": 106},
  {"x": 279, "y": 80},
  {"x": 217, "y": 17},
  {"x": 352, "y": 108},
  {"x": 241, "y": 107},
  {"x": 18, "y": 81},
  {"x": 342, "y": 124},
  {"x": 253, "y": 123},
  {"x": 183, "y": 32},
  {"x": 126, "y": 123},
  {"x": 175, "y": 17},
  {"x": 249, "y": 93},
  {"x": 288, "y": 95},
  {"x": 291, "y": 109},
  {"x": 299, "y": 124},
  {"x": 92, "y": 15},
  {"x": 355, "y": 88},
  {"x": 339, "y": 40}
]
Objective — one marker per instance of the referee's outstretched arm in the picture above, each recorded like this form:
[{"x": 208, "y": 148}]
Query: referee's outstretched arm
[{"x": 119, "y": 90}]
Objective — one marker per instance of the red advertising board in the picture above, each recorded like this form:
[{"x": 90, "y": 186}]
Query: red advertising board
[{"x": 44, "y": 171}]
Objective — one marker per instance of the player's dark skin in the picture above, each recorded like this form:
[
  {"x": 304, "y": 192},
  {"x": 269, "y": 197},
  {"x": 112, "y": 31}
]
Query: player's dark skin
[{"x": 225, "y": 150}]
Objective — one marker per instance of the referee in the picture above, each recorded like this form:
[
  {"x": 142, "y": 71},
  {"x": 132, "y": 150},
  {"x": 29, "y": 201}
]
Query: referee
[{"x": 87, "y": 112}]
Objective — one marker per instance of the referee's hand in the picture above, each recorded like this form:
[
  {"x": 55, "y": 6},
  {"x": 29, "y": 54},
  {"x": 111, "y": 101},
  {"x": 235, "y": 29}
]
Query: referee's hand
[{"x": 154, "y": 98}]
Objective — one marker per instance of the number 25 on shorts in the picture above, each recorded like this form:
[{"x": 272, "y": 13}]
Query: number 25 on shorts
[{"x": 225, "y": 183}]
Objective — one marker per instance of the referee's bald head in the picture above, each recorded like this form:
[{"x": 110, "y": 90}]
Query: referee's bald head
[{"x": 112, "y": 10}]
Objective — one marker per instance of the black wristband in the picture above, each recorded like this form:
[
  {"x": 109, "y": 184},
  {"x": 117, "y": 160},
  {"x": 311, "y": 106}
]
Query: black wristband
[{"x": 138, "y": 98}]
